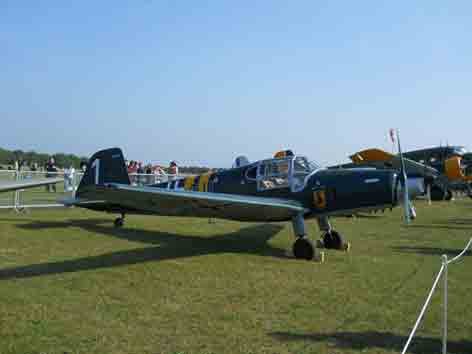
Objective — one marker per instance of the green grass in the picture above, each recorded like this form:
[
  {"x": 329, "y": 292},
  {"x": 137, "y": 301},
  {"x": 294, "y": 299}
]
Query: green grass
[{"x": 71, "y": 283}]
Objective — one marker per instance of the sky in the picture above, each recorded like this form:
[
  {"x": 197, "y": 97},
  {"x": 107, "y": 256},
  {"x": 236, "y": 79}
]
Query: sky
[{"x": 201, "y": 82}]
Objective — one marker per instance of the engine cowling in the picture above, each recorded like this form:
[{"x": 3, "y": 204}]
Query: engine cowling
[{"x": 453, "y": 169}]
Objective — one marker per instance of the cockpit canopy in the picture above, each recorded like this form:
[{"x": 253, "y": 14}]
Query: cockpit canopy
[{"x": 290, "y": 171}]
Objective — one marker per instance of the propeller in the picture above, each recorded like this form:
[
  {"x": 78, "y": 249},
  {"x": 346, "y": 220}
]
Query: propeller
[{"x": 408, "y": 209}]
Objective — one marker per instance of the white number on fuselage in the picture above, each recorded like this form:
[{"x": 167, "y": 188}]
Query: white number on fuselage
[{"x": 96, "y": 166}]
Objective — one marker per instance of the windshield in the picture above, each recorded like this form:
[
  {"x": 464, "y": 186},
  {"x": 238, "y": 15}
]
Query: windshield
[{"x": 302, "y": 167}]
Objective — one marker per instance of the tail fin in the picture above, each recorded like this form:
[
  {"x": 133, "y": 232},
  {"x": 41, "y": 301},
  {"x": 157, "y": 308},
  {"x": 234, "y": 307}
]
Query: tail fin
[{"x": 105, "y": 166}]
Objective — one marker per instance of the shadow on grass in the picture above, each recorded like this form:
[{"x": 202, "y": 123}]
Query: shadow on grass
[
  {"x": 370, "y": 216},
  {"x": 373, "y": 339},
  {"x": 435, "y": 251},
  {"x": 459, "y": 221},
  {"x": 250, "y": 240},
  {"x": 444, "y": 226}
]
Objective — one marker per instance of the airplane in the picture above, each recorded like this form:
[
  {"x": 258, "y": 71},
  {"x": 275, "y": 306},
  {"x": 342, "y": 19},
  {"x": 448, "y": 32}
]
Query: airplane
[
  {"x": 441, "y": 167},
  {"x": 17, "y": 185},
  {"x": 286, "y": 187}
]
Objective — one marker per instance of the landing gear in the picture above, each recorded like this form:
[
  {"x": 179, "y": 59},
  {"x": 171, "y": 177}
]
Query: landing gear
[
  {"x": 437, "y": 193},
  {"x": 120, "y": 221},
  {"x": 303, "y": 248},
  {"x": 448, "y": 196},
  {"x": 331, "y": 239}
]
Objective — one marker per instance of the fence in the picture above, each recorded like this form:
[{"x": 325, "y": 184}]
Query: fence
[
  {"x": 442, "y": 272},
  {"x": 48, "y": 196}
]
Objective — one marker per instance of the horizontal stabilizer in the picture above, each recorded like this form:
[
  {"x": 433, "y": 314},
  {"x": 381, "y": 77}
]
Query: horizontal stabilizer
[{"x": 22, "y": 184}]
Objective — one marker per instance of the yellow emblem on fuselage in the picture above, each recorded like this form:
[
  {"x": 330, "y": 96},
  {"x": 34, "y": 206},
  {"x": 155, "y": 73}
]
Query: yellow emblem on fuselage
[{"x": 319, "y": 199}]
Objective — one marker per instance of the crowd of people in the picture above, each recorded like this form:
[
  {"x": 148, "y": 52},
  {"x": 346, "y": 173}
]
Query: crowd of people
[{"x": 141, "y": 173}]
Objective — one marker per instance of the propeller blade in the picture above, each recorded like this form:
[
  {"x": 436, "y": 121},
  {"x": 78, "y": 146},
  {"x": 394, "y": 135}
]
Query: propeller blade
[{"x": 406, "y": 199}]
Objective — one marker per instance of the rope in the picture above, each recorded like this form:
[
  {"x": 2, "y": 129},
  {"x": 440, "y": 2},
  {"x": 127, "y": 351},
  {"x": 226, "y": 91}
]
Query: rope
[
  {"x": 423, "y": 310},
  {"x": 462, "y": 253}
]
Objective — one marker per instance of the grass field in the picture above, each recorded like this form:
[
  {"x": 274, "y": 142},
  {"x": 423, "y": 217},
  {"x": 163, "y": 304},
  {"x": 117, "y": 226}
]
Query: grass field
[{"x": 71, "y": 283}]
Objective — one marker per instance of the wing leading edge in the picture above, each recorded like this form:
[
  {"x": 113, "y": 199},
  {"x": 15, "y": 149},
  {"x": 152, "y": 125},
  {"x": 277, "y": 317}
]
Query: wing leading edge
[{"x": 14, "y": 186}]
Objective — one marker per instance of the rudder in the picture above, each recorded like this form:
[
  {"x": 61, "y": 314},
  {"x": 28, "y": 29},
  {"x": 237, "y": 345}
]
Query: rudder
[{"x": 105, "y": 166}]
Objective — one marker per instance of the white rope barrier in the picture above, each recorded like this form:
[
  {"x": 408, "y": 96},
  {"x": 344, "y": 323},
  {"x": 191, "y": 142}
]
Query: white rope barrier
[
  {"x": 423, "y": 310},
  {"x": 462, "y": 253},
  {"x": 443, "y": 271}
]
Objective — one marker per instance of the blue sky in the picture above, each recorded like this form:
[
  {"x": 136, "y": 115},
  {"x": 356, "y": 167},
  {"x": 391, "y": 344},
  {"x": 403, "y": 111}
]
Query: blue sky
[{"x": 204, "y": 81}]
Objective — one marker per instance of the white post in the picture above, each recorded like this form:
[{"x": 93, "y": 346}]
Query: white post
[
  {"x": 17, "y": 192},
  {"x": 444, "y": 329},
  {"x": 428, "y": 193}
]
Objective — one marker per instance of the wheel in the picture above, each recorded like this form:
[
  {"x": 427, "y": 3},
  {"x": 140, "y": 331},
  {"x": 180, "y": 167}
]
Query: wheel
[
  {"x": 437, "y": 193},
  {"x": 303, "y": 249},
  {"x": 333, "y": 240},
  {"x": 448, "y": 196},
  {"x": 119, "y": 222}
]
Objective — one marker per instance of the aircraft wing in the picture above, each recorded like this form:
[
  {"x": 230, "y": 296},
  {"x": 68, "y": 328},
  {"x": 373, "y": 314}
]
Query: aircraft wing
[
  {"x": 201, "y": 204},
  {"x": 381, "y": 159},
  {"x": 16, "y": 185}
]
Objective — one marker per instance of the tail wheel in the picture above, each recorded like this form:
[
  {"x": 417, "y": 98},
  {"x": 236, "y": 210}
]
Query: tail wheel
[{"x": 303, "y": 249}]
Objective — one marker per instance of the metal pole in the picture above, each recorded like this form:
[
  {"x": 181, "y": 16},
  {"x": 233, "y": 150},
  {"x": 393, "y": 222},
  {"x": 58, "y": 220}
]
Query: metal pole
[
  {"x": 17, "y": 192},
  {"x": 428, "y": 193},
  {"x": 444, "y": 334}
]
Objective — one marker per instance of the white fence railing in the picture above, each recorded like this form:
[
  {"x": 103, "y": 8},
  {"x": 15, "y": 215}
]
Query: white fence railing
[
  {"x": 47, "y": 196},
  {"x": 442, "y": 272}
]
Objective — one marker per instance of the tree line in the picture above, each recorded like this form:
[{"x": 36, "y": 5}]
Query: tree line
[
  {"x": 27, "y": 158},
  {"x": 62, "y": 160}
]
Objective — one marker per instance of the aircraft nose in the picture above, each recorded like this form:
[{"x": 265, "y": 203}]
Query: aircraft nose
[{"x": 356, "y": 189}]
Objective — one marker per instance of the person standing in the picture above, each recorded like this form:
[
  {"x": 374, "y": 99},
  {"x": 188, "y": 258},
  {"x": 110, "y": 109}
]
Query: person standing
[
  {"x": 51, "y": 172},
  {"x": 173, "y": 170},
  {"x": 140, "y": 172}
]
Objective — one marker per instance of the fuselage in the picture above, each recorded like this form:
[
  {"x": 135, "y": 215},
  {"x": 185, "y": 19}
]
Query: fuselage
[{"x": 320, "y": 191}]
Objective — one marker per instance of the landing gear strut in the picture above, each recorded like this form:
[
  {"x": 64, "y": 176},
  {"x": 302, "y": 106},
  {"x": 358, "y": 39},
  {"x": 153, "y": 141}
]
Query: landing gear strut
[{"x": 120, "y": 221}]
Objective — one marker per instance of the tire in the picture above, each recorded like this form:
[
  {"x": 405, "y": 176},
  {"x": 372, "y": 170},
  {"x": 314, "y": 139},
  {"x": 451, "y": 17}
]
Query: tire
[
  {"x": 328, "y": 240},
  {"x": 303, "y": 249},
  {"x": 437, "y": 193},
  {"x": 448, "y": 196},
  {"x": 119, "y": 222},
  {"x": 333, "y": 240}
]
